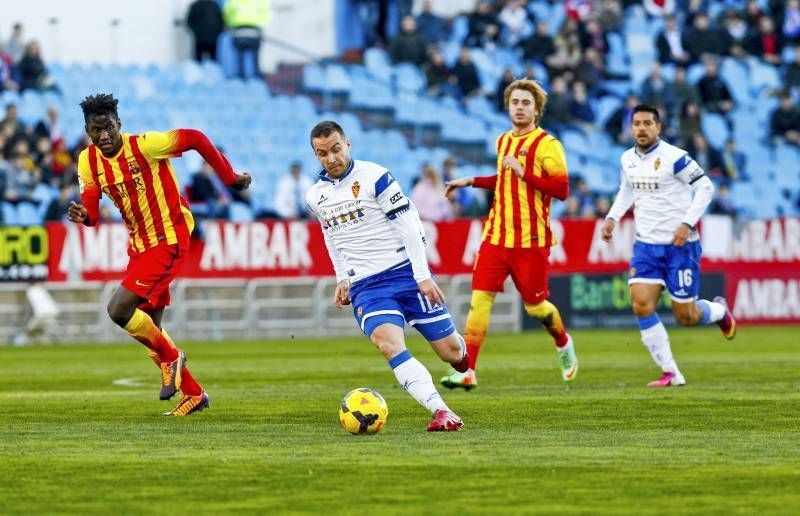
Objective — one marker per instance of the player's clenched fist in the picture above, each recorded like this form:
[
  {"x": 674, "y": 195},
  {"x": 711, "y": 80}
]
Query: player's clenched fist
[
  {"x": 341, "y": 296},
  {"x": 76, "y": 212},
  {"x": 608, "y": 230}
]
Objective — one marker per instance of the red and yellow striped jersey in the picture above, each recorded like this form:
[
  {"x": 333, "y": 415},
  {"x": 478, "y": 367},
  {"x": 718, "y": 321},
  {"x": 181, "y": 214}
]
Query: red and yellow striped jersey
[
  {"x": 140, "y": 181},
  {"x": 520, "y": 214}
]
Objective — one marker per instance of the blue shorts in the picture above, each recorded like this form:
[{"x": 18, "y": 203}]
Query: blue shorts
[
  {"x": 675, "y": 268},
  {"x": 393, "y": 297}
]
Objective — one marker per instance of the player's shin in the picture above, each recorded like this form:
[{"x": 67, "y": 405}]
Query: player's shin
[
  {"x": 656, "y": 340},
  {"x": 416, "y": 381},
  {"x": 142, "y": 328},
  {"x": 547, "y": 314},
  {"x": 480, "y": 310}
]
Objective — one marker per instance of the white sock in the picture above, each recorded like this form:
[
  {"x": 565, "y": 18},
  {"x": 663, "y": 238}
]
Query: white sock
[
  {"x": 417, "y": 381},
  {"x": 656, "y": 340},
  {"x": 712, "y": 312}
]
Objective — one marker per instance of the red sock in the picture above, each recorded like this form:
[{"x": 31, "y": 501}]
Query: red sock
[
  {"x": 141, "y": 327},
  {"x": 472, "y": 354},
  {"x": 189, "y": 385}
]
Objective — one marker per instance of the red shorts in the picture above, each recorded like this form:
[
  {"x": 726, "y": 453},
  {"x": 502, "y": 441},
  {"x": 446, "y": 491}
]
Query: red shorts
[
  {"x": 527, "y": 266},
  {"x": 150, "y": 273}
]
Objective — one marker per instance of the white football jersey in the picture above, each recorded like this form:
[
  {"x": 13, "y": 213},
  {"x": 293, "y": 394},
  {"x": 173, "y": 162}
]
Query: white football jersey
[
  {"x": 659, "y": 183},
  {"x": 356, "y": 213}
]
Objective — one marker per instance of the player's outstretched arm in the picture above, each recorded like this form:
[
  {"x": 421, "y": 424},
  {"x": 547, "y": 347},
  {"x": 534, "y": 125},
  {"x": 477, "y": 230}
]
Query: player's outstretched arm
[
  {"x": 454, "y": 184},
  {"x": 192, "y": 139}
]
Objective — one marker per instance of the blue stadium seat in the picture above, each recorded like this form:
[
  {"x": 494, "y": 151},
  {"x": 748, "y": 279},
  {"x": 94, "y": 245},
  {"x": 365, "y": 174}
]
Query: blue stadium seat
[
  {"x": 28, "y": 214},
  {"x": 460, "y": 29},
  {"x": 715, "y": 129},
  {"x": 409, "y": 78},
  {"x": 9, "y": 213},
  {"x": 378, "y": 63}
]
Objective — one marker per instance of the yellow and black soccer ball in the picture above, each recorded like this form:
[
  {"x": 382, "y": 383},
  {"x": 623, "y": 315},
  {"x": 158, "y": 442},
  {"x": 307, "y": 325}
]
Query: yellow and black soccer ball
[{"x": 363, "y": 411}]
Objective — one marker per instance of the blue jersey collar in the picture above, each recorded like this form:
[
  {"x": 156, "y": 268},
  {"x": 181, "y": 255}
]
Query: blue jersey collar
[
  {"x": 648, "y": 151},
  {"x": 323, "y": 175}
]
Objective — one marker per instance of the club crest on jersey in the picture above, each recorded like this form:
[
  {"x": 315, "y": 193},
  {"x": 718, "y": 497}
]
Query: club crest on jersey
[
  {"x": 355, "y": 188},
  {"x": 657, "y": 164},
  {"x": 360, "y": 311},
  {"x": 133, "y": 167},
  {"x": 523, "y": 151},
  {"x": 633, "y": 272}
]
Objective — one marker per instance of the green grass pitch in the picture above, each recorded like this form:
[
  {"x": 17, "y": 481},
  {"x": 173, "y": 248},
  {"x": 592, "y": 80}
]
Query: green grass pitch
[{"x": 72, "y": 441}]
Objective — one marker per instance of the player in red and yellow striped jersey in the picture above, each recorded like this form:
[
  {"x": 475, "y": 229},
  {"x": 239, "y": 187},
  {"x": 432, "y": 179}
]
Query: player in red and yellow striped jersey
[
  {"x": 531, "y": 171},
  {"x": 135, "y": 173}
]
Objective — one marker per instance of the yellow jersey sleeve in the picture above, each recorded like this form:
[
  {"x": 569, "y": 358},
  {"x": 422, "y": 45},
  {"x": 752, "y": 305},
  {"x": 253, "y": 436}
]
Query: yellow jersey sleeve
[
  {"x": 85, "y": 179},
  {"x": 553, "y": 160},
  {"x": 159, "y": 145}
]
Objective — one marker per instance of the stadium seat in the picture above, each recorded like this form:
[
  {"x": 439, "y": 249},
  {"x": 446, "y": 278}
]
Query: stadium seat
[
  {"x": 715, "y": 128},
  {"x": 378, "y": 63}
]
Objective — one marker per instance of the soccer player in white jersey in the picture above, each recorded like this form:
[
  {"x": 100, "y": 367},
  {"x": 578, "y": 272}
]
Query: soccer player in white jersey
[
  {"x": 377, "y": 245},
  {"x": 659, "y": 180}
]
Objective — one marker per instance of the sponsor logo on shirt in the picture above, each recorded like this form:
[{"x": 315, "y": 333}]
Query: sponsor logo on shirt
[{"x": 396, "y": 197}]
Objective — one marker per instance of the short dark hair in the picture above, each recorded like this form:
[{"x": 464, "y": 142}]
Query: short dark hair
[
  {"x": 647, "y": 108},
  {"x": 325, "y": 128},
  {"x": 102, "y": 104}
]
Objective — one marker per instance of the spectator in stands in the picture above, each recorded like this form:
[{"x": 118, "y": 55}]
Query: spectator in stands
[
  {"x": 601, "y": 206},
  {"x": 701, "y": 39},
  {"x": 514, "y": 23},
  {"x": 705, "y": 155},
  {"x": 290, "y": 194},
  {"x": 207, "y": 191},
  {"x": 619, "y": 123},
  {"x": 591, "y": 70},
  {"x": 373, "y": 14},
  {"x": 428, "y": 196},
  {"x": 22, "y": 175},
  {"x": 559, "y": 105},
  {"x": 466, "y": 202},
  {"x": 610, "y": 15},
  {"x": 568, "y": 49},
  {"x": 735, "y": 33},
  {"x": 734, "y": 163},
  {"x": 580, "y": 109},
  {"x": 483, "y": 26},
  {"x": 585, "y": 199},
  {"x": 467, "y": 74},
  {"x": 505, "y": 80},
  {"x": 593, "y": 35},
  {"x": 57, "y": 209},
  {"x": 792, "y": 77},
  {"x": 540, "y": 46},
  {"x": 62, "y": 161},
  {"x": 689, "y": 122},
  {"x": 49, "y": 127},
  {"x": 32, "y": 71},
  {"x": 408, "y": 46},
  {"x": 205, "y": 21},
  {"x": 11, "y": 125},
  {"x": 714, "y": 93},
  {"x": 441, "y": 81},
  {"x": 670, "y": 43},
  {"x": 657, "y": 91},
  {"x": 753, "y": 13},
  {"x": 246, "y": 20},
  {"x": 572, "y": 209},
  {"x": 765, "y": 43},
  {"x": 784, "y": 122},
  {"x": 722, "y": 203},
  {"x": 682, "y": 90},
  {"x": 7, "y": 81},
  {"x": 15, "y": 46},
  {"x": 791, "y": 22},
  {"x": 433, "y": 28}
]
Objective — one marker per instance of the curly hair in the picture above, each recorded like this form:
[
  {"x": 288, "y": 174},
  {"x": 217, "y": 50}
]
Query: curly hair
[
  {"x": 539, "y": 95},
  {"x": 101, "y": 104}
]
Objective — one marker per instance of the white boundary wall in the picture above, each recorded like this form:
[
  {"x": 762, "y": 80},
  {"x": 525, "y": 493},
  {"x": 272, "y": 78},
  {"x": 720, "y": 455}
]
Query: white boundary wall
[{"x": 228, "y": 309}]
